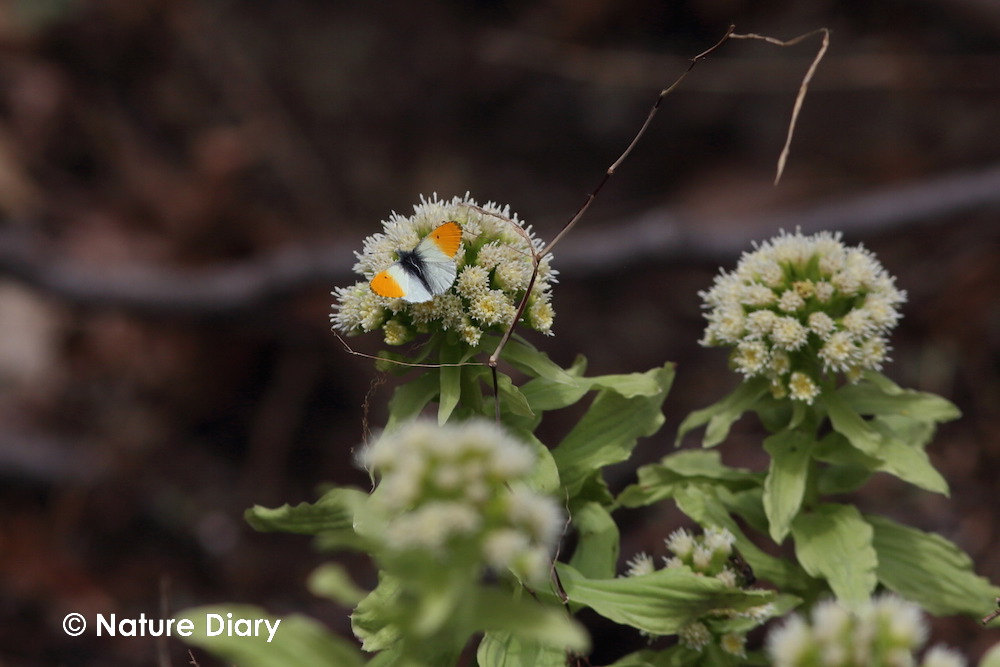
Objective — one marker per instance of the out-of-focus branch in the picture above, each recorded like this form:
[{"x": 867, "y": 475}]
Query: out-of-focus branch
[
  {"x": 669, "y": 235},
  {"x": 760, "y": 75},
  {"x": 162, "y": 291},
  {"x": 659, "y": 235}
]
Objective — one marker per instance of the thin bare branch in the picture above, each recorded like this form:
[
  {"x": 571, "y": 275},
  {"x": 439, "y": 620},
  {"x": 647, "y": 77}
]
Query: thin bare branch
[
  {"x": 635, "y": 140},
  {"x": 803, "y": 87}
]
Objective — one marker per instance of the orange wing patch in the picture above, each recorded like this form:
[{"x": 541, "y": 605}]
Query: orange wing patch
[
  {"x": 384, "y": 284},
  {"x": 448, "y": 237}
]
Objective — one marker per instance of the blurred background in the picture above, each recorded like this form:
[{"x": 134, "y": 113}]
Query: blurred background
[{"x": 182, "y": 183}]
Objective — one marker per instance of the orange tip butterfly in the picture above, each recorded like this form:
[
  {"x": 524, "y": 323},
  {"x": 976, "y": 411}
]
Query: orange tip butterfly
[{"x": 424, "y": 272}]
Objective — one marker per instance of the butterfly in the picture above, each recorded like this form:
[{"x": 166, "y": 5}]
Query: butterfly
[{"x": 424, "y": 272}]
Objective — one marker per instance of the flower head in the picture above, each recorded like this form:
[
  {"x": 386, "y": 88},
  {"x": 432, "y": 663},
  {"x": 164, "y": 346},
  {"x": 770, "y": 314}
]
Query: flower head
[
  {"x": 494, "y": 267},
  {"x": 886, "y": 630},
  {"x": 800, "y": 309},
  {"x": 450, "y": 491},
  {"x": 711, "y": 554},
  {"x": 707, "y": 554}
]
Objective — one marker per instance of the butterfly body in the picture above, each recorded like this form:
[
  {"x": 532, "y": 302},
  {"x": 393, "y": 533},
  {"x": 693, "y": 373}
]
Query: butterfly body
[{"x": 429, "y": 269}]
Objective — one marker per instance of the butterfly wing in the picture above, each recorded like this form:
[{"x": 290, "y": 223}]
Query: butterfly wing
[
  {"x": 435, "y": 255},
  {"x": 397, "y": 283},
  {"x": 426, "y": 271}
]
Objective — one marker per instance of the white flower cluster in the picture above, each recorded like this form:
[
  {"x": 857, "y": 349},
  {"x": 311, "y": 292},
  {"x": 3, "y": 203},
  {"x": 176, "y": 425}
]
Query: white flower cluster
[
  {"x": 799, "y": 308},
  {"x": 711, "y": 555},
  {"x": 457, "y": 491},
  {"x": 884, "y": 631},
  {"x": 494, "y": 271}
]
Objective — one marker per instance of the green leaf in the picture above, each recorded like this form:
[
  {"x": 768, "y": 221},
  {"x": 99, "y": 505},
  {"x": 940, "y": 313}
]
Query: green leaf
[
  {"x": 880, "y": 396},
  {"x": 411, "y": 398},
  {"x": 703, "y": 504},
  {"x": 511, "y": 397},
  {"x": 297, "y": 641},
  {"x": 929, "y": 570},
  {"x": 596, "y": 553},
  {"x": 473, "y": 401},
  {"x": 503, "y": 649},
  {"x": 658, "y": 481},
  {"x": 631, "y": 385},
  {"x": 848, "y": 422},
  {"x": 373, "y": 620},
  {"x": 527, "y": 359},
  {"x": 785, "y": 485},
  {"x": 682, "y": 656},
  {"x": 544, "y": 394},
  {"x": 544, "y": 476},
  {"x": 608, "y": 431},
  {"x": 721, "y": 416},
  {"x": 835, "y": 543},
  {"x": 675, "y": 656},
  {"x": 840, "y": 478},
  {"x": 452, "y": 356},
  {"x": 909, "y": 463},
  {"x": 333, "y": 514},
  {"x": 494, "y": 610},
  {"x": 332, "y": 581},
  {"x": 660, "y": 603}
]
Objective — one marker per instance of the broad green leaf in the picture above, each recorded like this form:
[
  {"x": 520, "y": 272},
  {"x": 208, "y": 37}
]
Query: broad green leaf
[
  {"x": 849, "y": 423},
  {"x": 682, "y": 656},
  {"x": 657, "y": 481},
  {"x": 373, "y": 620},
  {"x": 333, "y": 514},
  {"x": 332, "y": 581},
  {"x": 544, "y": 476},
  {"x": 707, "y": 464},
  {"x": 450, "y": 373},
  {"x": 842, "y": 478},
  {"x": 720, "y": 416},
  {"x": 594, "y": 489},
  {"x": 881, "y": 396},
  {"x": 777, "y": 415},
  {"x": 544, "y": 394},
  {"x": 785, "y": 485},
  {"x": 411, "y": 398},
  {"x": 648, "y": 658},
  {"x": 910, "y": 464},
  {"x": 929, "y": 570},
  {"x": 297, "y": 641},
  {"x": 527, "y": 359},
  {"x": 391, "y": 658},
  {"x": 511, "y": 397},
  {"x": 596, "y": 553},
  {"x": 608, "y": 431},
  {"x": 474, "y": 403},
  {"x": 631, "y": 385},
  {"x": 912, "y": 432},
  {"x": 503, "y": 649},
  {"x": 834, "y": 542},
  {"x": 660, "y": 603},
  {"x": 494, "y": 610}
]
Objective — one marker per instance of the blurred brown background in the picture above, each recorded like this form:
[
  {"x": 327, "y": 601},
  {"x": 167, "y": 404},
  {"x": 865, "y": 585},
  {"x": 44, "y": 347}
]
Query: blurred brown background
[{"x": 182, "y": 183}]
